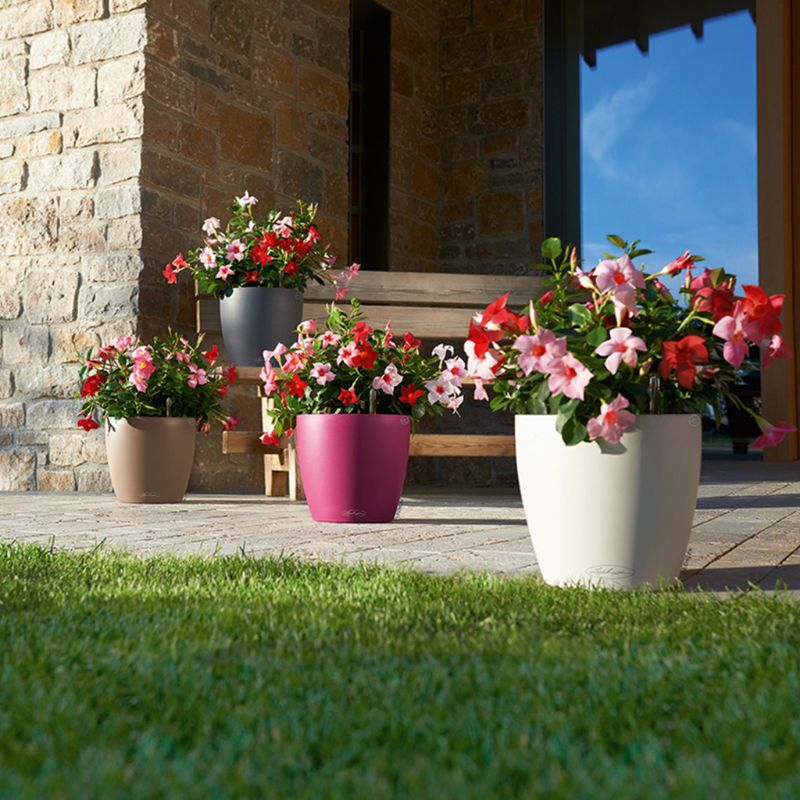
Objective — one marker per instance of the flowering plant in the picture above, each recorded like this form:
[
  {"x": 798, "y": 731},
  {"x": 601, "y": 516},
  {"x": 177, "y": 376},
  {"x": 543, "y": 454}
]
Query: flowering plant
[
  {"x": 276, "y": 251},
  {"x": 600, "y": 347},
  {"x": 169, "y": 378},
  {"x": 349, "y": 368}
]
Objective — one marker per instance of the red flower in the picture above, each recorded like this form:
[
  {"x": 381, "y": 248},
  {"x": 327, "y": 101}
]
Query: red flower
[
  {"x": 496, "y": 313},
  {"x": 347, "y": 397},
  {"x": 270, "y": 439},
  {"x": 681, "y": 357},
  {"x": 410, "y": 342},
  {"x": 231, "y": 423},
  {"x": 482, "y": 338},
  {"x": 211, "y": 355},
  {"x": 291, "y": 268},
  {"x": 170, "y": 274},
  {"x": 91, "y": 386},
  {"x": 365, "y": 357},
  {"x": 269, "y": 239},
  {"x": 763, "y": 311},
  {"x": 681, "y": 262},
  {"x": 230, "y": 373},
  {"x": 361, "y": 332},
  {"x": 252, "y": 276},
  {"x": 88, "y": 424},
  {"x": 410, "y": 394},
  {"x": 259, "y": 252},
  {"x": 178, "y": 262},
  {"x": 717, "y": 301},
  {"x": 296, "y": 386},
  {"x": 547, "y": 297}
]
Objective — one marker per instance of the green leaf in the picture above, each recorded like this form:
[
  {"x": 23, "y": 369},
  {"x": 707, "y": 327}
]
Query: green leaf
[
  {"x": 640, "y": 251},
  {"x": 580, "y": 315},
  {"x": 617, "y": 241},
  {"x": 573, "y": 432},
  {"x": 551, "y": 248},
  {"x": 597, "y": 336}
]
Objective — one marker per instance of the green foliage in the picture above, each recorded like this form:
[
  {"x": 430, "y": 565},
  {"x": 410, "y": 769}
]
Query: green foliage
[
  {"x": 373, "y": 353},
  {"x": 238, "y": 677},
  {"x": 582, "y": 315},
  {"x": 278, "y": 251},
  {"x": 107, "y": 388}
]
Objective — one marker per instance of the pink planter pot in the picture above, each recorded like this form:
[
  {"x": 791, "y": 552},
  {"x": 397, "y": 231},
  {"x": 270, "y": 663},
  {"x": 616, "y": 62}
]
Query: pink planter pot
[{"x": 353, "y": 466}]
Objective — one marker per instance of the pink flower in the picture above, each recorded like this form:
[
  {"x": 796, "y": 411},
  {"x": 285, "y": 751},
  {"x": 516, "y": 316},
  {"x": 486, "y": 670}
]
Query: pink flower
[
  {"x": 279, "y": 350},
  {"x": 480, "y": 391},
  {"x": 539, "y": 352},
  {"x": 283, "y": 227},
  {"x": 347, "y": 354},
  {"x": 621, "y": 347},
  {"x": 771, "y": 435},
  {"x": 231, "y": 423},
  {"x": 456, "y": 370},
  {"x": 341, "y": 280},
  {"x": 731, "y": 329},
  {"x": 235, "y": 250},
  {"x": 270, "y": 378},
  {"x": 295, "y": 360},
  {"x": 441, "y": 351},
  {"x": 143, "y": 368},
  {"x": 610, "y": 275},
  {"x": 439, "y": 391},
  {"x": 568, "y": 376},
  {"x": 208, "y": 258},
  {"x": 776, "y": 347},
  {"x": 612, "y": 421},
  {"x": 330, "y": 339},
  {"x": 322, "y": 373},
  {"x": 197, "y": 377},
  {"x": 224, "y": 271},
  {"x": 455, "y": 402},
  {"x": 246, "y": 200},
  {"x": 308, "y": 327},
  {"x": 121, "y": 343},
  {"x": 211, "y": 226},
  {"x": 622, "y": 279},
  {"x": 388, "y": 381}
]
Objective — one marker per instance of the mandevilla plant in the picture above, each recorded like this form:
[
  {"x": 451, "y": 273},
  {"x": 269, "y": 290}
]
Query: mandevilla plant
[
  {"x": 600, "y": 347},
  {"x": 349, "y": 368},
  {"x": 280, "y": 251},
  {"x": 169, "y": 378}
]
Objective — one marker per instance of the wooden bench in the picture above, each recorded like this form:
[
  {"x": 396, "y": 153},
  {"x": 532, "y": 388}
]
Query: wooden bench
[{"x": 434, "y": 306}]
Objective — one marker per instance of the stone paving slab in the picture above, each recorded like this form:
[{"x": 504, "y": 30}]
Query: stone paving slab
[{"x": 746, "y": 530}]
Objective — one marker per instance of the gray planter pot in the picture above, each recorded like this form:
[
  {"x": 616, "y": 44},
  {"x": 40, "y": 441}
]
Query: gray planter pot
[{"x": 256, "y": 318}]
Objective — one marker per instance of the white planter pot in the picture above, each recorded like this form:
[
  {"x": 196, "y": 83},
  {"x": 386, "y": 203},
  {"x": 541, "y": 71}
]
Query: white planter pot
[{"x": 616, "y": 516}]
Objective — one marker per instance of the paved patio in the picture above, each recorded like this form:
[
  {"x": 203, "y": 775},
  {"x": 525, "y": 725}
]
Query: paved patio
[{"x": 746, "y": 529}]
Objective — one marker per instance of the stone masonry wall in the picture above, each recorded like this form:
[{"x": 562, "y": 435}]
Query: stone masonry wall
[
  {"x": 491, "y": 135},
  {"x": 71, "y": 83}
]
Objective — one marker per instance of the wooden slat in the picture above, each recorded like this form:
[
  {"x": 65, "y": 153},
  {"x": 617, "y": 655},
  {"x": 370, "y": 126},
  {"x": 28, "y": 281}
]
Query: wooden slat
[
  {"x": 422, "y": 444},
  {"x": 432, "y": 289},
  {"x": 446, "y": 445},
  {"x": 237, "y": 442},
  {"x": 427, "y": 323}
]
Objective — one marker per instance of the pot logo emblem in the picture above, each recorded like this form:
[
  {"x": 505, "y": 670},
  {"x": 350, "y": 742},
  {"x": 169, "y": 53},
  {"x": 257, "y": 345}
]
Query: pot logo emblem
[
  {"x": 355, "y": 513},
  {"x": 610, "y": 574}
]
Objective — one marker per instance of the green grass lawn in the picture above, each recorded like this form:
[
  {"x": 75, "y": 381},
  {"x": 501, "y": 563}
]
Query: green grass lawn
[{"x": 232, "y": 677}]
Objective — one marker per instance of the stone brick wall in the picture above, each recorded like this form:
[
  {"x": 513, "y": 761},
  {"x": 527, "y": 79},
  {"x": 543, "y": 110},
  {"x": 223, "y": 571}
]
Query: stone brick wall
[
  {"x": 491, "y": 135},
  {"x": 71, "y": 83},
  {"x": 124, "y": 123}
]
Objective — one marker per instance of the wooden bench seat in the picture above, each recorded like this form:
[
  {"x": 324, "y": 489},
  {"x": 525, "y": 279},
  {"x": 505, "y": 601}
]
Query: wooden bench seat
[{"x": 434, "y": 306}]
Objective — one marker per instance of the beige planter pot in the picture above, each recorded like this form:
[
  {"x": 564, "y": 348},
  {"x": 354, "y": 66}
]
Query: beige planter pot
[
  {"x": 150, "y": 458},
  {"x": 616, "y": 516}
]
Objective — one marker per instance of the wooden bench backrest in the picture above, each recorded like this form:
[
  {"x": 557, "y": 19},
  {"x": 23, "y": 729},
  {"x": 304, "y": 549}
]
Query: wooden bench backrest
[{"x": 431, "y": 305}]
